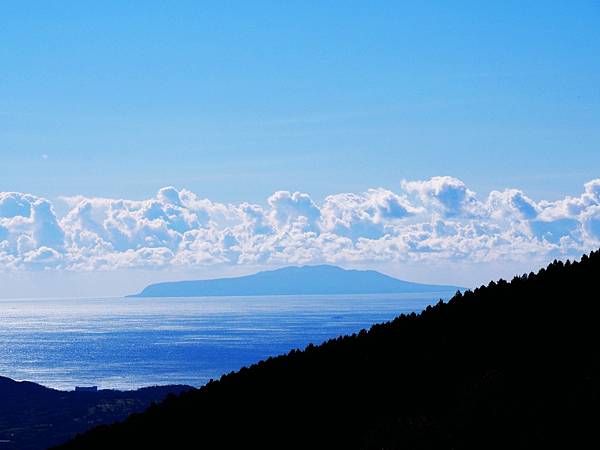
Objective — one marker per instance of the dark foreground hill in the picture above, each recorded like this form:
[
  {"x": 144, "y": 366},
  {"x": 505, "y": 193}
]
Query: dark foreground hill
[
  {"x": 35, "y": 417},
  {"x": 508, "y": 366},
  {"x": 305, "y": 280}
]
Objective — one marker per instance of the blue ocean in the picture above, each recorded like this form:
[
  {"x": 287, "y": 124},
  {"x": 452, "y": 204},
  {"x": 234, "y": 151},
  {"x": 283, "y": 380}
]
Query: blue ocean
[{"x": 127, "y": 343}]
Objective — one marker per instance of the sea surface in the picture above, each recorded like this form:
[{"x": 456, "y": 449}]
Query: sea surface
[{"x": 127, "y": 343}]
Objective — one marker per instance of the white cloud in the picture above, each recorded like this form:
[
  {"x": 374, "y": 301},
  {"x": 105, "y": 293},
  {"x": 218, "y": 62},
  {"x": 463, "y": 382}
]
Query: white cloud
[
  {"x": 427, "y": 221},
  {"x": 364, "y": 215},
  {"x": 447, "y": 195},
  {"x": 15, "y": 204},
  {"x": 591, "y": 222},
  {"x": 289, "y": 209},
  {"x": 511, "y": 204}
]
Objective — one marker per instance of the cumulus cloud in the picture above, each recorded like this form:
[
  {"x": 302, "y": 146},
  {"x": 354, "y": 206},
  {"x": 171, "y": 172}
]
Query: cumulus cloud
[
  {"x": 364, "y": 215},
  {"x": 591, "y": 222},
  {"x": 293, "y": 209},
  {"x": 439, "y": 219},
  {"x": 15, "y": 204},
  {"x": 511, "y": 204},
  {"x": 447, "y": 195}
]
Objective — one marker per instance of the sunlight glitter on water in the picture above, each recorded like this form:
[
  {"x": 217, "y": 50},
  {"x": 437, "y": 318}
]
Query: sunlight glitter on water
[{"x": 127, "y": 343}]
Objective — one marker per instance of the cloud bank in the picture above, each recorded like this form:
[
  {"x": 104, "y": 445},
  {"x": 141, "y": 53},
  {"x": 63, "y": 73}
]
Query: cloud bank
[{"x": 439, "y": 220}]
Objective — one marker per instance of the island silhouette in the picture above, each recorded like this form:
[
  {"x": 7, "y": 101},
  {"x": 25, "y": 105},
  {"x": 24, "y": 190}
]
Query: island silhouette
[{"x": 294, "y": 280}]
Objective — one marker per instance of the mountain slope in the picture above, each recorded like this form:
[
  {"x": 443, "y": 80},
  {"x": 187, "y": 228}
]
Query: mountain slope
[
  {"x": 306, "y": 280},
  {"x": 510, "y": 365},
  {"x": 34, "y": 417}
]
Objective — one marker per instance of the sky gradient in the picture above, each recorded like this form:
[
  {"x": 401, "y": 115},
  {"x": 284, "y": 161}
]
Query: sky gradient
[{"x": 237, "y": 101}]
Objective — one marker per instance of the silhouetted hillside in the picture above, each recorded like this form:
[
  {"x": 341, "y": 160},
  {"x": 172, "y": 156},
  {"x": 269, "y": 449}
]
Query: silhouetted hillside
[
  {"x": 35, "y": 417},
  {"x": 508, "y": 366},
  {"x": 306, "y": 280}
]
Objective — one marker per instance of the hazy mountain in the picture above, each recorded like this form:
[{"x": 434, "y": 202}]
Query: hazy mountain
[{"x": 305, "y": 280}]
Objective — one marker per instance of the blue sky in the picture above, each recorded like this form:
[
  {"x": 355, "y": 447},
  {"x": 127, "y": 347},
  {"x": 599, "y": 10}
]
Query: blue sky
[
  {"x": 235, "y": 100},
  {"x": 488, "y": 112}
]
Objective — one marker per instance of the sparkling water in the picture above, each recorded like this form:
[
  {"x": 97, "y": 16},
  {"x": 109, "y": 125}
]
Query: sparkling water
[{"x": 126, "y": 343}]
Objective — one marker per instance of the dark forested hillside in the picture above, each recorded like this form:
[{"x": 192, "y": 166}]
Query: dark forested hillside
[
  {"x": 510, "y": 365},
  {"x": 33, "y": 416}
]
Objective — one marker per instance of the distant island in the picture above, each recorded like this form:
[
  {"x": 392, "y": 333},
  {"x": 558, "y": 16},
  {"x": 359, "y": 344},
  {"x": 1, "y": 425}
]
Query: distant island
[{"x": 305, "y": 280}]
